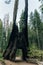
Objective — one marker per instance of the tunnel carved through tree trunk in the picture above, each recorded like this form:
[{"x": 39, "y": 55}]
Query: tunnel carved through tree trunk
[{"x": 14, "y": 41}]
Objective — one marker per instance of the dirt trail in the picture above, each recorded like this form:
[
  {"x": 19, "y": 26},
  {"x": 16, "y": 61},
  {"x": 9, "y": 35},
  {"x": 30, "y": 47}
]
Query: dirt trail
[{"x": 18, "y": 62}]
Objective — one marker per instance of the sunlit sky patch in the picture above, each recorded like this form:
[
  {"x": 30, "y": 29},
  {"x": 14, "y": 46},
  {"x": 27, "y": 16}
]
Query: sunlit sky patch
[{"x": 8, "y": 8}]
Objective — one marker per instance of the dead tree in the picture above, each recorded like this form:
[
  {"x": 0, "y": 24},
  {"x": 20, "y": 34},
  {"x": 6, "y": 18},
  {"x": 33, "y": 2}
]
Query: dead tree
[
  {"x": 14, "y": 40},
  {"x": 22, "y": 40},
  {"x": 14, "y": 33}
]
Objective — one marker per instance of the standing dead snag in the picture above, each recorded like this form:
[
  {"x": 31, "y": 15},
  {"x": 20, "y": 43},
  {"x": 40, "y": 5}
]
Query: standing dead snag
[
  {"x": 17, "y": 38},
  {"x": 14, "y": 33}
]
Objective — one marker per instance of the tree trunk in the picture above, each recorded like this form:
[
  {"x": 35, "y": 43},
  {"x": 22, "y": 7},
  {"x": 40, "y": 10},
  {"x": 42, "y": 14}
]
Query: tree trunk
[
  {"x": 14, "y": 33},
  {"x": 25, "y": 30}
]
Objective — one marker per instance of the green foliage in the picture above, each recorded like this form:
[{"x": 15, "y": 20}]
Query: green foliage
[
  {"x": 1, "y": 55},
  {"x": 35, "y": 20},
  {"x": 21, "y": 22},
  {"x": 19, "y": 52},
  {"x": 36, "y": 29},
  {"x": 35, "y": 52},
  {"x": 35, "y": 32},
  {"x": 1, "y": 31}
]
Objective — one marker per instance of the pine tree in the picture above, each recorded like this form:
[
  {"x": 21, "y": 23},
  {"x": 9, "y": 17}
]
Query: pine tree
[{"x": 35, "y": 22}]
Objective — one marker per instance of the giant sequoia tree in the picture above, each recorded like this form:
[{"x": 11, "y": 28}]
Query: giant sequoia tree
[{"x": 14, "y": 41}]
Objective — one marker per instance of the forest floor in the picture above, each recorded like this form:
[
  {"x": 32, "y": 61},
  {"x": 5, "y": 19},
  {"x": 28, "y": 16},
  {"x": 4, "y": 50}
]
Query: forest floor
[{"x": 18, "y": 62}]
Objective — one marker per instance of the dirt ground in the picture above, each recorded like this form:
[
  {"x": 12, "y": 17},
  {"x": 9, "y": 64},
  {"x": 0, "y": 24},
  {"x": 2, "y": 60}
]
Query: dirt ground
[{"x": 18, "y": 62}]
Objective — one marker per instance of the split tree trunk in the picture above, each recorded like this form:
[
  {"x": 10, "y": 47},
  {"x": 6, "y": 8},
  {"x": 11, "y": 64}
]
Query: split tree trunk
[{"x": 11, "y": 48}]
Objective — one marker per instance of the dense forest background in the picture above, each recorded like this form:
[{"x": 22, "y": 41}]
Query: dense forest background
[{"x": 35, "y": 34}]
